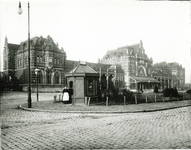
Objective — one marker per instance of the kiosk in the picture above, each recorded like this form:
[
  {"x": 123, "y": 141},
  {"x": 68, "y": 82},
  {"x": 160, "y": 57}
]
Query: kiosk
[{"x": 83, "y": 82}]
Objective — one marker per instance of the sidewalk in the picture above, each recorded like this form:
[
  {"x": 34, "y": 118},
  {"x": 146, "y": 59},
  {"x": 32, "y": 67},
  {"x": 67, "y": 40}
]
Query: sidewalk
[{"x": 49, "y": 106}]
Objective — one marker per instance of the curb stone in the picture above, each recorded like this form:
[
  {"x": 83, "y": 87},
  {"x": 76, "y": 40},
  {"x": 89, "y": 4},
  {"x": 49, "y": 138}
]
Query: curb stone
[{"x": 112, "y": 112}]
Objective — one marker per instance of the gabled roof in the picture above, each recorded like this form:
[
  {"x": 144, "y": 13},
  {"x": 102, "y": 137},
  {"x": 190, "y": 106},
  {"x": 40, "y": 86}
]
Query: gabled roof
[
  {"x": 129, "y": 50},
  {"x": 82, "y": 70},
  {"x": 13, "y": 46},
  {"x": 40, "y": 42}
]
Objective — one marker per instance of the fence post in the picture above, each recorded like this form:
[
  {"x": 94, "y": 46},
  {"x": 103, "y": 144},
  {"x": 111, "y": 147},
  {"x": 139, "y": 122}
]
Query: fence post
[
  {"x": 135, "y": 99},
  {"x": 107, "y": 101},
  {"x": 124, "y": 100},
  {"x": 86, "y": 100},
  {"x": 89, "y": 101},
  {"x": 54, "y": 98},
  {"x": 155, "y": 98},
  {"x": 146, "y": 99}
]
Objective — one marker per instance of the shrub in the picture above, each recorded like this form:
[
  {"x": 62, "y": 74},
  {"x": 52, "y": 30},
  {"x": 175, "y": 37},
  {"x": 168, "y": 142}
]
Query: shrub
[
  {"x": 156, "y": 89},
  {"x": 170, "y": 92},
  {"x": 129, "y": 96},
  {"x": 188, "y": 91}
]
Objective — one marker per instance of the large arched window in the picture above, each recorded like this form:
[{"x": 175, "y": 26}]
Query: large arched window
[
  {"x": 48, "y": 76},
  {"x": 40, "y": 77},
  {"x": 56, "y": 78},
  {"x": 141, "y": 71}
]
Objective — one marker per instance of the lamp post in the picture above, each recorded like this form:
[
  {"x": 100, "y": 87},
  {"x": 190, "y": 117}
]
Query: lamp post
[
  {"x": 36, "y": 72},
  {"x": 107, "y": 94},
  {"x": 20, "y": 11}
]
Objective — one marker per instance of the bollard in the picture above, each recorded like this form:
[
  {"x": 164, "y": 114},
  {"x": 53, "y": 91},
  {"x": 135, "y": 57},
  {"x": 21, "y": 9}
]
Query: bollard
[{"x": 59, "y": 97}]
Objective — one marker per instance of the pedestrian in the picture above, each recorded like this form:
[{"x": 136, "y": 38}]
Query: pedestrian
[{"x": 66, "y": 95}]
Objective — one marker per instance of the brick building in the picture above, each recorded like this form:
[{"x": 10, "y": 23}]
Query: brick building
[
  {"x": 178, "y": 75},
  {"x": 169, "y": 74},
  {"x": 127, "y": 66},
  {"x": 135, "y": 63},
  {"x": 44, "y": 54}
]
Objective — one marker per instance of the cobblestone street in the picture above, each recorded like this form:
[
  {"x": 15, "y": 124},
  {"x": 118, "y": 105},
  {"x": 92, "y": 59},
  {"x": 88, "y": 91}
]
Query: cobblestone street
[{"x": 25, "y": 130}]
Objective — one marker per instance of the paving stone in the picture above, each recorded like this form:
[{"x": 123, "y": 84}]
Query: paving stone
[{"x": 168, "y": 129}]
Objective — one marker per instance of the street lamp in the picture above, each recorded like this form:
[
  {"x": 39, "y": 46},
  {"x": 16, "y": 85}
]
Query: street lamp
[
  {"x": 20, "y": 11},
  {"x": 36, "y": 72},
  {"x": 107, "y": 88}
]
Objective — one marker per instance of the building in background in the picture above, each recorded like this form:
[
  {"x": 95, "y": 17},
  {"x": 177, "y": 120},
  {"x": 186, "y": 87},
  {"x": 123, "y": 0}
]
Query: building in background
[
  {"x": 178, "y": 75},
  {"x": 44, "y": 55},
  {"x": 170, "y": 75},
  {"x": 135, "y": 64},
  {"x": 125, "y": 67}
]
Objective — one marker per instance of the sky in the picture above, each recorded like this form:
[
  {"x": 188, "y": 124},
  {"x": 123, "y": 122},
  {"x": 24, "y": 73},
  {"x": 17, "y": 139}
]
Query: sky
[{"x": 87, "y": 29}]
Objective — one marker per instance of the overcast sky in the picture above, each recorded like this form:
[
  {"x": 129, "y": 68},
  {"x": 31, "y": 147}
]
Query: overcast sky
[{"x": 86, "y": 29}]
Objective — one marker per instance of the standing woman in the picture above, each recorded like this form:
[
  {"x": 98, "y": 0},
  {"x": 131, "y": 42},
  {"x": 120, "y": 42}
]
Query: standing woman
[{"x": 66, "y": 95}]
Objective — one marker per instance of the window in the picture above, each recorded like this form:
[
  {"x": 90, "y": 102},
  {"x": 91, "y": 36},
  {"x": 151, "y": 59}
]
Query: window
[
  {"x": 71, "y": 84},
  {"x": 40, "y": 77},
  {"x": 5, "y": 64},
  {"x": 26, "y": 60},
  {"x": 17, "y": 61},
  {"x": 56, "y": 78},
  {"x": 48, "y": 76},
  {"x": 21, "y": 61},
  {"x": 90, "y": 85},
  {"x": 41, "y": 59},
  {"x": 71, "y": 87},
  {"x": 37, "y": 58}
]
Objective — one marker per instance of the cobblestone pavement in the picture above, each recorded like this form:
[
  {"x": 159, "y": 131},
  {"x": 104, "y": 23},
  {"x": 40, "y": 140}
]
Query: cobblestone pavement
[{"x": 26, "y": 130}]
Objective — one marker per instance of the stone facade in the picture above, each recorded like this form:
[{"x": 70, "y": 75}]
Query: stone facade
[
  {"x": 127, "y": 67},
  {"x": 169, "y": 74},
  {"x": 44, "y": 54},
  {"x": 178, "y": 75},
  {"x": 132, "y": 59}
]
